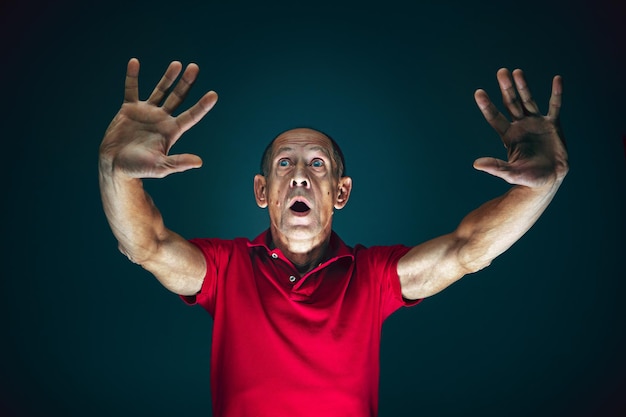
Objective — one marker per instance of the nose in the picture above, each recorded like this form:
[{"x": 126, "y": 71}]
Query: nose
[{"x": 299, "y": 178}]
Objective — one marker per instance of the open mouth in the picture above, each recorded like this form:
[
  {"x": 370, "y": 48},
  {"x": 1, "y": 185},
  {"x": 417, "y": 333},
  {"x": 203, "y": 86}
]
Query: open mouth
[{"x": 299, "y": 207}]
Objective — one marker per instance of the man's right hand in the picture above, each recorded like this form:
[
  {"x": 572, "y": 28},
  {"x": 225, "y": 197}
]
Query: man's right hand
[
  {"x": 135, "y": 146},
  {"x": 137, "y": 142}
]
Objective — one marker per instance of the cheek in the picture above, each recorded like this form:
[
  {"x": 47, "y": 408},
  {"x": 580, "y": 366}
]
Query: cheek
[{"x": 275, "y": 200}]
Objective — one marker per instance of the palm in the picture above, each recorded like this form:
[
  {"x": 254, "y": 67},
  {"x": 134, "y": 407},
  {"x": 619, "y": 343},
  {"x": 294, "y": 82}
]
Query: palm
[
  {"x": 535, "y": 147},
  {"x": 139, "y": 138}
]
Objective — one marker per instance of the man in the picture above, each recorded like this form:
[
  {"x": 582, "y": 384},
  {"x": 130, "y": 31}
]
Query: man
[{"x": 297, "y": 313}]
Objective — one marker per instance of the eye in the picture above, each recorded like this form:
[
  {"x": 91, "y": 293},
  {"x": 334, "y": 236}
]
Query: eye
[
  {"x": 283, "y": 163},
  {"x": 317, "y": 163}
]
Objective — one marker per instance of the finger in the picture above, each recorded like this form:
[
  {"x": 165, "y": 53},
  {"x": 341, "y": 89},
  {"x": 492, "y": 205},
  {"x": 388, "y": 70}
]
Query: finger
[
  {"x": 495, "y": 167},
  {"x": 182, "y": 162},
  {"x": 175, "y": 163},
  {"x": 509, "y": 96},
  {"x": 131, "y": 86},
  {"x": 166, "y": 82},
  {"x": 555, "y": 98},
  {"x": 182, "y": 88},
  {"x": 491, "y": 113},
  {"x": 195, "y": 113},
  {"x": 528, "y": 103}
]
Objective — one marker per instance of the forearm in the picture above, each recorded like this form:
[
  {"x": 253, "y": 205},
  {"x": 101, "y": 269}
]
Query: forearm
[
  {"x": 134, "y": 219},
  {"x": 135, "y": 146},
  {"x": 143, "y": 238},
  {"x": 536, "y": 163},
  {"x": 496, "y": 225}
]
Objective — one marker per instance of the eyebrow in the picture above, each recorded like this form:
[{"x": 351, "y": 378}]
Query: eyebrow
[
  {"x": 322, "y": 149},
  {"x": 313, "y": 148},
  {"x": 283, "y": 149}
]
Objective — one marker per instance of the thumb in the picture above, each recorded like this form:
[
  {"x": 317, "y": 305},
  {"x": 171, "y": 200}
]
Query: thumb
[
  {"x": 496, "y": 167},
  {"x": 182, "y": 162}
]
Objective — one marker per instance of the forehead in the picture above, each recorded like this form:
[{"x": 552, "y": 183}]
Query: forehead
[{"x": 302, "y": 139}]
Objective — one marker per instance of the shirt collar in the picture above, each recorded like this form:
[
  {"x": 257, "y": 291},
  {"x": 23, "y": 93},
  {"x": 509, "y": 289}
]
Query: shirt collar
[{"x": 337, "y": 248}]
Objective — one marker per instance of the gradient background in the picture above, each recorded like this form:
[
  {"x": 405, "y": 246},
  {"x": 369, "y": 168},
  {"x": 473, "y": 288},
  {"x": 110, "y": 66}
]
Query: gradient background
[{"x": 541, "y": 332}]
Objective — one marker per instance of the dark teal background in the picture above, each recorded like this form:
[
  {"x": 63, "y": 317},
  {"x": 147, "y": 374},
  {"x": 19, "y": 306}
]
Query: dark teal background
[{"x": 539, "y": 333}]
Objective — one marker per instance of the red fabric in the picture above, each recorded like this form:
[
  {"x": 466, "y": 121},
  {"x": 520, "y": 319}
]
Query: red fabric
[{"x": 307, "y": 348}]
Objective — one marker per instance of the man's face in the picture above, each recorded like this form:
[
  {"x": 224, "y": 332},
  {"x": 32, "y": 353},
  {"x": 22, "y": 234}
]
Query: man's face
[{"x": 301, "y": 188}]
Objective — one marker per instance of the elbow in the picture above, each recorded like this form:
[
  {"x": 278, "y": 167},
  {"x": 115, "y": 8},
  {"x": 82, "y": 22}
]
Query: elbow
[
  {"x": 139, "y": 256},
  {"x": 472, "y": 248},
  {"x": 473, "y": 259},
  {"x": 476, "y": 265}
]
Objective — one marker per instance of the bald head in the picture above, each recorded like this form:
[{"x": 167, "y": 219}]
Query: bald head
[{"x": 339, "y": 164}]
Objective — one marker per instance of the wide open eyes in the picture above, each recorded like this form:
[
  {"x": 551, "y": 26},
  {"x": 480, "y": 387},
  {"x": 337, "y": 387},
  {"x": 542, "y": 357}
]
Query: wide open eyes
[{"x": 316, "y": 163}]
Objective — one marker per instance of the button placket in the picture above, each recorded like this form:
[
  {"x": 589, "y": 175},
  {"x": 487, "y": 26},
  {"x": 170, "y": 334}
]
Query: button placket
[{"x": 292, "y": 278}]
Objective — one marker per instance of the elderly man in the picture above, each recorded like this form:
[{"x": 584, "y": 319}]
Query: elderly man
[{"x": 297, "y": 313}]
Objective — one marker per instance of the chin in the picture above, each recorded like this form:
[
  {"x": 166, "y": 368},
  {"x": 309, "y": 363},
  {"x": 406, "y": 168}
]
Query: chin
[
  {"x": 302, "y": 232},
  {"x": 308, "y": 234}
]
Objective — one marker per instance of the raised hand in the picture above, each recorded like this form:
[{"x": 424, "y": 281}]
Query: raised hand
[
  {"x": 138, "y": 140},
  {"x": 536, "y": 149}
]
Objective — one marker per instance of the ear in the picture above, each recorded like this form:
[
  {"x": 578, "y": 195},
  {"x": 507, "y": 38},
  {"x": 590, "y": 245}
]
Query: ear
[
  {"x": 260, "y": 191},
  {"x": 343, "y": 193}
]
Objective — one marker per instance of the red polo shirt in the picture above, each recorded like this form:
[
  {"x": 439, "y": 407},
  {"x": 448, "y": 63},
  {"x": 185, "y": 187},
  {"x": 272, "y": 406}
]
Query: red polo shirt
[{"x": 285, "y": 345}]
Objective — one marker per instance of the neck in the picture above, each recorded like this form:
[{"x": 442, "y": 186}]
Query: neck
[{"x": 304, "y": 255}]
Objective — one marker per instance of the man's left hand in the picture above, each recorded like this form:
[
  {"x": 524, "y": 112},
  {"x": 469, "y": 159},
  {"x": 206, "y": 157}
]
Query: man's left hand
[{"x": 536, "y": 148}]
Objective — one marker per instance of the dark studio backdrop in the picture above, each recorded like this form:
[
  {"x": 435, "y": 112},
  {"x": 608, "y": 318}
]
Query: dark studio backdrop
[{"x": 541, "y": 332}]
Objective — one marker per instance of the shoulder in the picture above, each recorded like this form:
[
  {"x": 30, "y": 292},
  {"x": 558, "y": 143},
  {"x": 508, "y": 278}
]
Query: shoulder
[
  {"x": 217, "y": 248},
  {"x": 374, "y": 256},
  {"x": 380, "y": 255},
  {"x": 212, "y": 243}
]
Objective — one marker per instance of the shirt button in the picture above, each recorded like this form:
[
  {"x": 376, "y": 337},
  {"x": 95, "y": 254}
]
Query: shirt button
[
  {"x": 274, "y": 255},
  {"x": 292, "y": 279}
]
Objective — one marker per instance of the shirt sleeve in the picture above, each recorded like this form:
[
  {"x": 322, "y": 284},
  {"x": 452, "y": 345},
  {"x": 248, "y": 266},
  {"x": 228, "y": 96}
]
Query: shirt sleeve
[
  {"x": 383, "y": 264},
  {"x": 213, "y": 250}
]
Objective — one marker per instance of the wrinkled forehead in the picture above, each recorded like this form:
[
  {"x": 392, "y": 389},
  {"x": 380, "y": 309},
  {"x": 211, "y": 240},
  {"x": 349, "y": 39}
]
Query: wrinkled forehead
[{"x": 302, "y": 138}]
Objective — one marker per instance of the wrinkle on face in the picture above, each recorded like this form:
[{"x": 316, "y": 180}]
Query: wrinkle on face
[{"x": 302, "y": 167}]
